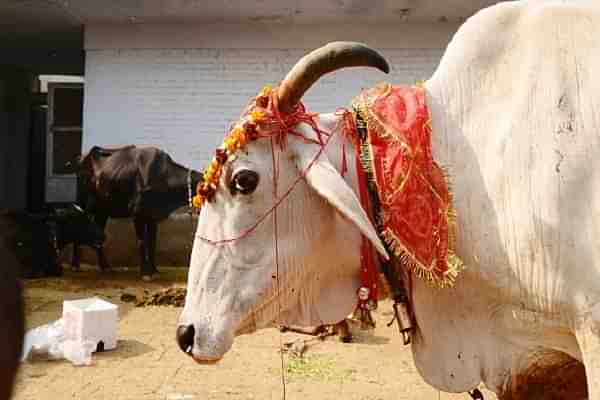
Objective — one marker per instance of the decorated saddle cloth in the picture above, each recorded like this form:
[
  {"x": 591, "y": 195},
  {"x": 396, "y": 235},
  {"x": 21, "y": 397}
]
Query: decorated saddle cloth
[{"x": 416, "y": 217}]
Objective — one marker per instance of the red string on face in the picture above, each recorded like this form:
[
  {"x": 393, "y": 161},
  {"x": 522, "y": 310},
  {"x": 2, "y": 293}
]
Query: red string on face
[
  {"x": 281, "y": 125},
  {"x": 279, "y": 138}
]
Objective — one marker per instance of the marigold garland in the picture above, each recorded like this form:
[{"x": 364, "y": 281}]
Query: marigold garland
[
  {"x": 237, "y": 139},
  {"x": 263, "y": 112}
]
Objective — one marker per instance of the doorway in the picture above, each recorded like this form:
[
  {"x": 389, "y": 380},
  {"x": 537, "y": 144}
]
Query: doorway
[{"x": 63, "y": 140}]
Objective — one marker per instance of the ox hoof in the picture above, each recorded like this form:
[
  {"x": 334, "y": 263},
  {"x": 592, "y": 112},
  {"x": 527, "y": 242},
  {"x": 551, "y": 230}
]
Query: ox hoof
[{"x": 346, "y": 339}]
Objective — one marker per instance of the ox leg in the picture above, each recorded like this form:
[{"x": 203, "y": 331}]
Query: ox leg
[
  {"x": 141, "y": 231},
  {"x": 312, "y": 331},
  {"x": 104, "y": 266},
  {"x": 76, "y": 260},
  {"x": 101, "y": 221},
  {"x": 343, "y": 331},
  {"x": 588, "y": 339},
  {"x": 152, "y": 234}
]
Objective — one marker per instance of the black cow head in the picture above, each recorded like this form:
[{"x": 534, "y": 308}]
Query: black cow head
[{"x": 72, "y": 224}]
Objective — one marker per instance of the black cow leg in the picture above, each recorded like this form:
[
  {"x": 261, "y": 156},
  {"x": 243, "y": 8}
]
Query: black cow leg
[
  {"x": 152, "y": 234},
  {"x": 102, "y": 262},
  {"x": 76, "y": 260},
  {"x": 141, "y": 231},
  {"x": 101, "y": 220},
  {"x": 53, "y": 266}
]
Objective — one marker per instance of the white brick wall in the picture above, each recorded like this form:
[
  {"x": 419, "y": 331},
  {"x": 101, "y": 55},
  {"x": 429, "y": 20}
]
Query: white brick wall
[{"x": 183, "y": 100}]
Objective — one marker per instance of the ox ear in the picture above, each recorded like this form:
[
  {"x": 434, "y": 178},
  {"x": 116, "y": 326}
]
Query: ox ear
[{"x": 327, "y": 182}]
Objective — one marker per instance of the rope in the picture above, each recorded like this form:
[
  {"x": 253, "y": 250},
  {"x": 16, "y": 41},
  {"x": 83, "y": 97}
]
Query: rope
[
  {"x": 276, "y": 249},
  {"x": 270, "y": 211},
  {"x": 284, "y": 124}
]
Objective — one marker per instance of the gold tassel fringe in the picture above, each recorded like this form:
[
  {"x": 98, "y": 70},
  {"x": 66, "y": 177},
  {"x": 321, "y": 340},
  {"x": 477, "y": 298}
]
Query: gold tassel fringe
[{"x": 454, "y": 263}]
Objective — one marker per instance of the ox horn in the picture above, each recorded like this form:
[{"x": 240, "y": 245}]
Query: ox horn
[{"x": 331, "y": 57}]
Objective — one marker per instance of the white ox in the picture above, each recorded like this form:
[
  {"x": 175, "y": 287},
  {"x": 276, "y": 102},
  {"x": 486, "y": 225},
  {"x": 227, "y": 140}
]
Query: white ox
[{"x": 515, "y": 109}]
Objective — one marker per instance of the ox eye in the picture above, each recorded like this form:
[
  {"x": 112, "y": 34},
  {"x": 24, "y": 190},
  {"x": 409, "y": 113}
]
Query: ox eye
[{"x": 244, "y": 182}]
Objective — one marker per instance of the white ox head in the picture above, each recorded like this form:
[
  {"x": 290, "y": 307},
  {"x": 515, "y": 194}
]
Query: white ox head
[{"x": 241, "y": 286}]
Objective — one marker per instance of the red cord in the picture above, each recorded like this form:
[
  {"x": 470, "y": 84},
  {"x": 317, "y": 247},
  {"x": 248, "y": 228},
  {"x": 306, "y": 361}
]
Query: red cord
[
  {"x": 277, "y": 203},
  {"x": 284, "y": 124}
]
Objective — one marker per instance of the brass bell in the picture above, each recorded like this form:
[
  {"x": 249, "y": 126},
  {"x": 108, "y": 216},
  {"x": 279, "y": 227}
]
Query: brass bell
[{"x": 404, "y": 322}]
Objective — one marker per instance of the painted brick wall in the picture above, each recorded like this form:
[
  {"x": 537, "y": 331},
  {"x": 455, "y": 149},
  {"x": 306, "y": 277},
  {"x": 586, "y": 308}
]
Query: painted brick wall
[{"x": 183, "y": 100}]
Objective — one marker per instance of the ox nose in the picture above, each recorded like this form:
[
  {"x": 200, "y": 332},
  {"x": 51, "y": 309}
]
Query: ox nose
[{"x": 185, "y": 338}]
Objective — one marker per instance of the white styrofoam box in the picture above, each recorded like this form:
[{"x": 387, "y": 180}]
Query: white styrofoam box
[{"x": 91, "y": 319}]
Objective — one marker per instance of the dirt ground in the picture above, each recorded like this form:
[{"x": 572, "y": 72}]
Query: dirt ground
[{"x": 147, "y": 363}]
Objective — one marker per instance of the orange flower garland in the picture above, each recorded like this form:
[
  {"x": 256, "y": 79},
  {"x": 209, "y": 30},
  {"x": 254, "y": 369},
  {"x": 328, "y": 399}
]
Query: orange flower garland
[{"x": 237, "y": 139}]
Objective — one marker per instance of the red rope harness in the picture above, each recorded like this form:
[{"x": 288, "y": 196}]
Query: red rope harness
[
  {"x": 282, "y": 125},
  {"x": 270, "y": 211},
  {"x": 277, "y": 126}
]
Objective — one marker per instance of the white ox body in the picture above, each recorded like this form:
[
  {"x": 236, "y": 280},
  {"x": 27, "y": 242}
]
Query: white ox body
[{"x": 515, "y": 116}]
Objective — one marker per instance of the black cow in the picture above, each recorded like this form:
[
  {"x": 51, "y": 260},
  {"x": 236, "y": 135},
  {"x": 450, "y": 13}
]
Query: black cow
[
  {"x": 71, "y": 225},
  {"x": 139, "y": 182},
  {"x": 36, "y": 240},
  {"x": 12, "y": 320}
]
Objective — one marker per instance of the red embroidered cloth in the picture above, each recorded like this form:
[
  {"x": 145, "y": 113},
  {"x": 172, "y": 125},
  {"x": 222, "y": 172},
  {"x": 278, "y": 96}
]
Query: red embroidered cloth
[{"x": 416, "y": 205}]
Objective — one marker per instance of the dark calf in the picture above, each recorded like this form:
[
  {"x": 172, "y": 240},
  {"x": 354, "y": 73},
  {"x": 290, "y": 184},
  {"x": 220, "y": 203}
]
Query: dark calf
[
  {"x": 36, "y": 240},
  {"x": 71, "y": 225}
]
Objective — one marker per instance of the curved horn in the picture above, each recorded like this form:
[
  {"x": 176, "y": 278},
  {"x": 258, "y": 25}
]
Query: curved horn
[{"x": 331, "y": 57}]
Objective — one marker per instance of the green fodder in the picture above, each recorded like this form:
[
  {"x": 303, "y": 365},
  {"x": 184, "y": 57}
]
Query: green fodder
[{"x": 315, "y": 368}]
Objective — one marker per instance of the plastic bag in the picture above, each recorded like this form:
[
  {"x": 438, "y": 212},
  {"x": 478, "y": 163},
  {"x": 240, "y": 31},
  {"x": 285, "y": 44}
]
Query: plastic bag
[
  {"x": 47, "y": 342},
  {"x": 44, "y": 342}
]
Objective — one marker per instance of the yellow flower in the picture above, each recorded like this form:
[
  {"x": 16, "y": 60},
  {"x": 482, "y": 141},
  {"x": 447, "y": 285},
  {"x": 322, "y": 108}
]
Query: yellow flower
[
  {"x": 236, "y": 140},
  {"x": 242, "y": 140},
  {"x": 210, "y": 171},
  {"x": 236, "y": 131},
  {"x": 197, "y": 201},
  {"x": 257, "y": 116},
  {"x": 266, "y": 90},
  {"x": 230, "y": 144}
]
